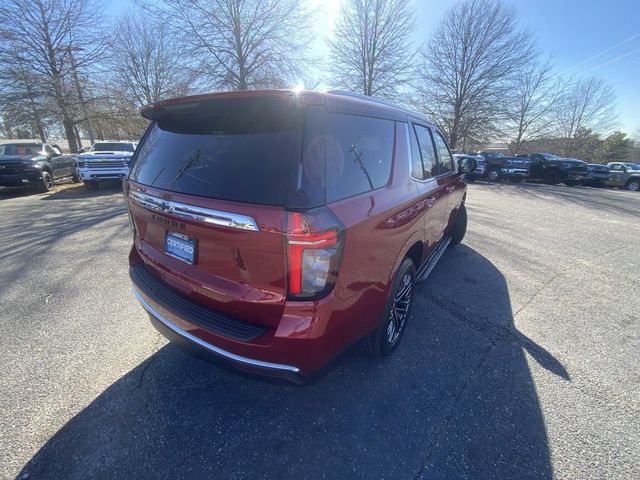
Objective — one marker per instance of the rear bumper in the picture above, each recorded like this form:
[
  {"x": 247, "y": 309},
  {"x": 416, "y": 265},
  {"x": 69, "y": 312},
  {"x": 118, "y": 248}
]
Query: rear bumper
[
  {"x": 202, "y": 349},
  {"x": 22, "y": 179},
  {"x": 307, "y": 338}
]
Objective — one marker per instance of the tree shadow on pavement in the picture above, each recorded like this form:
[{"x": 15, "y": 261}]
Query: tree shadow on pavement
[
  {"x": 598, "y": 199},
  {"x": 456, "y": 400}
]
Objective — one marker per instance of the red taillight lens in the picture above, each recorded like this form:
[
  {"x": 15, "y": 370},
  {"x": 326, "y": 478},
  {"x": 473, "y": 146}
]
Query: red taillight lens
[{"x": 314, "y": 244}]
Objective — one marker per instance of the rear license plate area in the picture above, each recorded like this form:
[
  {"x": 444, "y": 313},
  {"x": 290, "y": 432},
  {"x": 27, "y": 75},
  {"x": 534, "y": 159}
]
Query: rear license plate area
[{"x": 181, "y": 247}]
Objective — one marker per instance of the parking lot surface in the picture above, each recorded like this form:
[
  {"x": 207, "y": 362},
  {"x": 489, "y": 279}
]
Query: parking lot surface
[{"x": 520, "y": 359}]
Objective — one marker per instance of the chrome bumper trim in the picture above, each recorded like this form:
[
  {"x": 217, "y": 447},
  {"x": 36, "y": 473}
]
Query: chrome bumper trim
[{"x": 249, "y": 362}]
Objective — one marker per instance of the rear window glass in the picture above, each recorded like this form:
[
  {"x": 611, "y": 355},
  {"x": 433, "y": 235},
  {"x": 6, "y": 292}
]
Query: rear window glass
[
  {"x": 238, "y": 149},
  {"x": 359, "y": 154}
]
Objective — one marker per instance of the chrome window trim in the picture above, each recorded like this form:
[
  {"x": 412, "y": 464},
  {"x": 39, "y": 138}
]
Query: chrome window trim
[
  {"x": 197, "y": 214},
  {"x": 212, "y": 348}
]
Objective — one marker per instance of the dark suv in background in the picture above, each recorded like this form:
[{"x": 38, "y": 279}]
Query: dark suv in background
[
  {"x": 552, "y": 169},
  {"x": 498, "y": 167},
  {"x": 274, "y": 229}
]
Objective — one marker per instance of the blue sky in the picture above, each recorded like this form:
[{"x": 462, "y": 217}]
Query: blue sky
[{"x": 585, "y": 38}]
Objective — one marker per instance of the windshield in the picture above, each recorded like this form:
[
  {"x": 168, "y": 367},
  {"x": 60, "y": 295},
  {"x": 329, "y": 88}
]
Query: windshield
[
  {"x": 112, "y": 147},
  {"x": 494, "y": 154},
  {"x": 551, "y": 156},
  {"x": 21, "y": 149}
]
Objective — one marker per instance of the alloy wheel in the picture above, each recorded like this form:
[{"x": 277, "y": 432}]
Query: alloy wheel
[
  {"x": 400, "y": 309},
  {"x": 47, "y": 179}
]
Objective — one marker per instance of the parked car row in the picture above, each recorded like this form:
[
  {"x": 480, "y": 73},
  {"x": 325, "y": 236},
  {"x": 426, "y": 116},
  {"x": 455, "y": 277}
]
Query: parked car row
[
  {"x": 41, "y": 165},
  {"x": 553, "y": 169}
]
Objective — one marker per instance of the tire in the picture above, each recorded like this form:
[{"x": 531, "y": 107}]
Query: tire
[
  {"x": 551, "y": 177},
  {"x": 515, "y": 179},
  {"x": 570, "y": 183},
  {"x": 494, "y": 175},
  {"x": 46, "y": 182},
  {"x": 92, "y": 185},
  {"x": 76, "y": 176},
  {"x": 460, "y": 227},
  {"x": 386, "y": 337},
  {"x": 634, "y": 185}
]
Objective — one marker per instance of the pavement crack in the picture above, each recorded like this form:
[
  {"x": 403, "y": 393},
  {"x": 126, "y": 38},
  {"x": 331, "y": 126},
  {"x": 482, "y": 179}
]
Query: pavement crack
[
  {"x": 563, "y": 272},
  {"x": 144, "y": 371},
  {"x": 444, "y": 424}
]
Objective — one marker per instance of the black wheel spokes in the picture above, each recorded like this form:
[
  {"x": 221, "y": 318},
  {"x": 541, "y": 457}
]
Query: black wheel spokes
[{"x": 400, "y": 309}]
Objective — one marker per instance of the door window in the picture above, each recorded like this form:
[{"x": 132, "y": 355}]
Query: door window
[
  {"x": 445, "y": 161},
  {"x": 427, "y": 152},
  {"x": 417, "y": 171}
]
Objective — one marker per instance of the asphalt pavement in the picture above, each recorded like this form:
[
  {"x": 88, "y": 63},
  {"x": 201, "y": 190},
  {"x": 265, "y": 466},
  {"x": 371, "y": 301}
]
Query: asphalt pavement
[{"x": 521, "y": 358}]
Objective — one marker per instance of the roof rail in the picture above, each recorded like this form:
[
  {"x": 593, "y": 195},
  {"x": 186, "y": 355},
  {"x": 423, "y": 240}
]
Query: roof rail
[
  {"x": 373, "y": 99},
  {"x": 361, "y": 96}
]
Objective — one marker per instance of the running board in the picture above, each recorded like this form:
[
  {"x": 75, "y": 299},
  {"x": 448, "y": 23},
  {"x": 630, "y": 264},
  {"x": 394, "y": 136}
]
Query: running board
[{"x": 425, "y": 269}]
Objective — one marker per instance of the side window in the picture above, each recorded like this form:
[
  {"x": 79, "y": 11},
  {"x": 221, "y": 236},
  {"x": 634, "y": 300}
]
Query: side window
[
  {"x": 429, "y": 163},
  {"x": 616, "y": 167},
  {"x": 417, "y": 170},
  {"x": 359, "y": 153},
  {"x": 445, "y": 161}
]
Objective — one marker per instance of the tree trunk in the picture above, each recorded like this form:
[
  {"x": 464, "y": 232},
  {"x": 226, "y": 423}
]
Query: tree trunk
[{"x": 69, "y": 132}]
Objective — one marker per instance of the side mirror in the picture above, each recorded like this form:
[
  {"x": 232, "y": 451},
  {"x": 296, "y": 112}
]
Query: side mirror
[
  {"x": 467, "y": 165},
  {"x": 81, "y": 150}
]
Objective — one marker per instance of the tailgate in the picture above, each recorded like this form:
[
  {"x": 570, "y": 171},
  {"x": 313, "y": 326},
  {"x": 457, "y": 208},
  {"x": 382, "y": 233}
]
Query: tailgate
[{"x": 238, "y": 263}]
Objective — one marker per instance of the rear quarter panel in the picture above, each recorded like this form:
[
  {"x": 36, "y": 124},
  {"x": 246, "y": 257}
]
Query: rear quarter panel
[{"x": 380, "y": 226}]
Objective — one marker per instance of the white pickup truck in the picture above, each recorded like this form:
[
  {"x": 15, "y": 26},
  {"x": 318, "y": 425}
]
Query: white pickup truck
[{"x": 105, "y": 161}]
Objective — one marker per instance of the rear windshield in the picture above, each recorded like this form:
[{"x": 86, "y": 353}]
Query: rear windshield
[
  {"x": 112, "y": 147},
  {"x": 230, "y": 149}
]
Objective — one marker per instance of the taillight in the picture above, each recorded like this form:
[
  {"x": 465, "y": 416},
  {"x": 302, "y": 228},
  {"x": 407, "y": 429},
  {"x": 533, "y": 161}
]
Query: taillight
[
  {"x": 314, "y": 244},
  {"x": 125, "y": 191}
]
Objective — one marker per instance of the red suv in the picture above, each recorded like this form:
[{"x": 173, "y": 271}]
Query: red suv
[{"x": 274, "y": 229}]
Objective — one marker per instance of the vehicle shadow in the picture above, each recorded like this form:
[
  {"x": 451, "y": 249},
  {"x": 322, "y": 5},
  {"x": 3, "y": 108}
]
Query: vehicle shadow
[{"x": 456, "y": 400}]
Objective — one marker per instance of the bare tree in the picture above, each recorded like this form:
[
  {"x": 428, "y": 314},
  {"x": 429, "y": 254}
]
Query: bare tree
[
  {"x": 23, "y": 98},
  {"x": 55, "y": 38},
  {"x": 240, "y": 44},
  {"x": 146, "y": 64},
  {"x": 468, "y": 66},
  {"x": 532, "y": 104},
  {"x": 371, "y": 52},
  {"x": 588, "y": 104}
]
